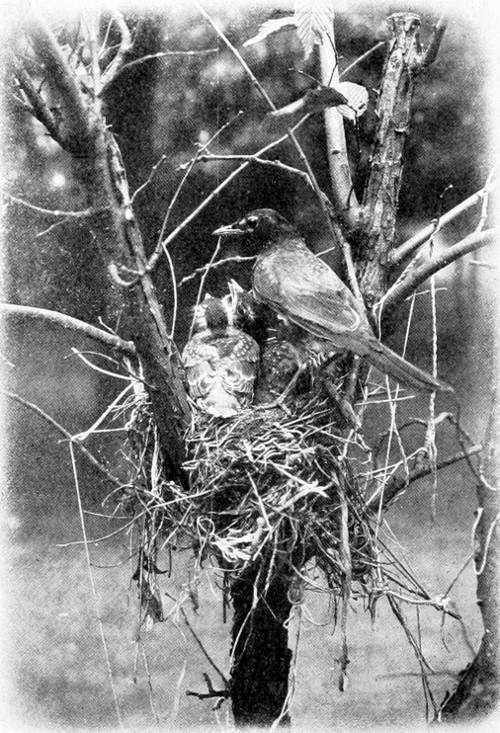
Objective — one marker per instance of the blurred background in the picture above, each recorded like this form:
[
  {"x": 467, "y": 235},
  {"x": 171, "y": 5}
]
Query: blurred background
[{"x": 163, "y": 107}]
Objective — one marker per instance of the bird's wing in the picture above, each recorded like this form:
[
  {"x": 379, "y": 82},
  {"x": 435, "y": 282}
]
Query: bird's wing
[{"x": 300, "y": 286}]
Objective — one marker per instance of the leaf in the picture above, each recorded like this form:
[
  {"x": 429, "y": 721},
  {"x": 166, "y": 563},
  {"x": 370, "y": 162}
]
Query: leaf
[
  {"x": 271, "y": 26},
  {"x": 357, "y": 99},
  {"x": 314, "y": 21}
]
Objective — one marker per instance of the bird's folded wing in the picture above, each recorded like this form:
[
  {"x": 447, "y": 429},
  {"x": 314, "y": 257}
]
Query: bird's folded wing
[{"x": 305, "y": 290}]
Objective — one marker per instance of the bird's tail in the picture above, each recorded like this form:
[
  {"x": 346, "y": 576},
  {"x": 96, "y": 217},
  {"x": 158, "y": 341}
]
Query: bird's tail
[{"x": 390, "y": 363}]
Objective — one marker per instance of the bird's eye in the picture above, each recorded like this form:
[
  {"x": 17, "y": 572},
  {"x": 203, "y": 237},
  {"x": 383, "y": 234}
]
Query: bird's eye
[{"x": 252, "y": 221}]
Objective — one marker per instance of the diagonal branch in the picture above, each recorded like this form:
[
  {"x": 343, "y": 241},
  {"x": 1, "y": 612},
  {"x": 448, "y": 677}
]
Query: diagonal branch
[
  {"x": 417, "y": 273},
  {"x": 117, "y": 64},
  {"x": 37, "y": 105},
  {"x": 407, "y": 248},
  {"x": 333, "y": 227},
  {"x": 57, "y": 213},
  {"x": 396, "y": 485},
  {"x": 71, "y": 324},
  {"x": 77, "y": 122},
  {"x": 90, "y": 456}
]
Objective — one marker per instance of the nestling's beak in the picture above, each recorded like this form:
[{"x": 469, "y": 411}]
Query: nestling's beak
[{"x": 228, "y": 229}]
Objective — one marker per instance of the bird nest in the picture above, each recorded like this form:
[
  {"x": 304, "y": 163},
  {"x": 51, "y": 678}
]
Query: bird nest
[{"x": 263, "y": 484}]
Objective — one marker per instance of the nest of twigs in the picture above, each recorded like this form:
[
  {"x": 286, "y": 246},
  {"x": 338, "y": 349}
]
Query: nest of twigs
[{"x": 264, "y": 484}]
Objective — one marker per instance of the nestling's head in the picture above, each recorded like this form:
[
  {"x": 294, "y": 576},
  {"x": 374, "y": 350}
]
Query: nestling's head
[{"x": 263, "y": 225}]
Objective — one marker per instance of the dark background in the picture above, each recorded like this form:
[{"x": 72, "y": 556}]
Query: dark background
[{"x": 53, "y": 649}]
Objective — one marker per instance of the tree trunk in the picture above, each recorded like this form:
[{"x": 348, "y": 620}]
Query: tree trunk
[
  {"x": 261, "y": 666},
  {"x": 478, "y": 690}
]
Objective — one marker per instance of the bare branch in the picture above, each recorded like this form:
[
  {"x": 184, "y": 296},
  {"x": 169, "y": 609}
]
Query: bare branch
[
  {"x": 211, "y": 266},
  {"x": 95, "y": 462},
  {"x": 57, "y": 213},
  {"x": 332, "y": 224},
  {"x": 416, "y": 273},
  {"x": 37, "y": 105},
  {"x": 395, "y": 485},
  {"x": 361, "y": 58},
  {"x": 173, "y": 234},
  {"x": 77, "y": 124},
  {"x": 407, "y": 248},
  {"x": 118, "y": 61},
  {"x": 70, "y": 323},
  {"x": 151, "y": 56},
  {"x": 431, "y": 52}
]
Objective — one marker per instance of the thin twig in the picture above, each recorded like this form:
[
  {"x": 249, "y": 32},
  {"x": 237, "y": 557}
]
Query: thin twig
[
  {"x": 216, "y": 191},
  {"x": 152, "y": 56},
  {"x": 335, "y": 232},
  {"x": 94, "y": 590},
  {"x": 83, "y": 214},
  {"x": 70, "y": 323},
  {"x": 38, "y": 410},
  {"x": 213, "y": 265},
  {"x": 407, "y": 248},
  {"x": 416, "y": 275}
]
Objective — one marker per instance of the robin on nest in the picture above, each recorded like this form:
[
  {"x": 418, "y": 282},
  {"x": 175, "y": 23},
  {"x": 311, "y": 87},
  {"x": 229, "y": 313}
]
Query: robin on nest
[
  {"x": 220, "y": 361},
  {"x": 304, "y": 290}
]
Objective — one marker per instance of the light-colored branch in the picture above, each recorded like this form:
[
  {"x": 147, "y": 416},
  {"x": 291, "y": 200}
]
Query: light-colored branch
[
  {"x": 211, "y": 266},
  {"x": 361, "y": 58},
  {"x": 118, "y": 62},
  {"x": 71, "y": 324},
  {"x": 152, "y": 56},
  {"x": 77, "y": 122},
  {"x": 411, "y": 245},
  {"x": 334, "y": 229},
  {"x": 431, "y": 52},
  {"x": 34, "y": 408},
  {"x": 216, "y": 191},
  {"x": 338, "y": 162},
  {"x": 57, "y": 213},
  {"x": 415, "y": 275},
  {"x": 396, "y": 485}
]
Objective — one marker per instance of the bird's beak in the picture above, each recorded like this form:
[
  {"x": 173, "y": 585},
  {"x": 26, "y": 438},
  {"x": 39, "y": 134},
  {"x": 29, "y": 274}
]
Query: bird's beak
[{"x": 228, "y": 229}]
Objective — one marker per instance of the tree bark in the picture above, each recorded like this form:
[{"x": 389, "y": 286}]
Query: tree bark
[
  {"x": 381, "y": 197},
  {"x": 261, "y": 666}
]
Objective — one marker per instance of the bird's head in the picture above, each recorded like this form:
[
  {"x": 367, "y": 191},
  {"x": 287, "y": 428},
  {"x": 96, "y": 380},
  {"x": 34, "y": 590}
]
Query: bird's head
[{"x": 262, "y": 225}]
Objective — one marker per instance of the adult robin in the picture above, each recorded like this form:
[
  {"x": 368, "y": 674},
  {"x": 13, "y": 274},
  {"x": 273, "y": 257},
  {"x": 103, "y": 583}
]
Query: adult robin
[
  {"x": 303, "y": 289},
  {"x": 220, "y": 361}
]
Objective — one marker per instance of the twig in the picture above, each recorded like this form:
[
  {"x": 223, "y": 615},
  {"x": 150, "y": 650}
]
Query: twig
[
  {"x": 95, "y": 462},
  {"x": 431, "y": 52},
  {"x": 205, "y": 653},
  {"x": 334, "y": 230},
  {"x": 37, "y": 105},
  {"x": 151, "y": 56},
  {"x": 63, "y": 79},
  {"x": 161, "y": 245},
  {"x": 408, "y": 247},
  {"x": 211, "y": 266},
  {"x": 148, "y": 180},
  {"x": 94, "y": 590},
  {"x": 361, "y": 58},
  {"x": 125, "y": 46},
  {"x": 70, "y": 323},
  {"x": 395, "y": 485},
  {"x": 216, "y": 191},
  {"x": 212, "y": 692},
  {"x": 58, "y": 213},
  {"x": 415, "y": 275}
]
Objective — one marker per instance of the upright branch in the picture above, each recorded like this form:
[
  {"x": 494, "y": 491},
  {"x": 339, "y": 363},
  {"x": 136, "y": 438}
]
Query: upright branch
[
  {"x": 344, "y": 198},
  {"x": 97, "y": 163},
  {"x": 404, "y": 60}
]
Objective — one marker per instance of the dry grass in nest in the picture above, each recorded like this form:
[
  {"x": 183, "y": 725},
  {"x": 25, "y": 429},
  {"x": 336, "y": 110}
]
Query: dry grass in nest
[{"x": 261, "y": 483}]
